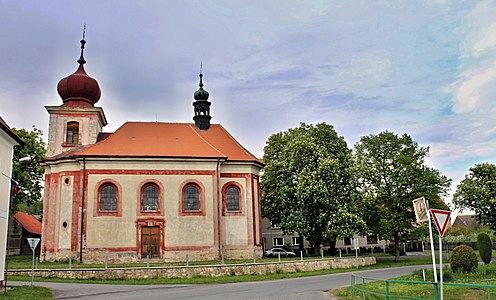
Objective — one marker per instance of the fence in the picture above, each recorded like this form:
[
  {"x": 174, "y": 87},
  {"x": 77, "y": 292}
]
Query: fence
[
  {"x": 198, "y": 270},
  {"x": 363, "y": 291}
]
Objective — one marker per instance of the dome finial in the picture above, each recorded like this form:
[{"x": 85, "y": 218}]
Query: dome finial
[
  {"x": 81, "y": 60},
  {"x": 201, "y": 94}
]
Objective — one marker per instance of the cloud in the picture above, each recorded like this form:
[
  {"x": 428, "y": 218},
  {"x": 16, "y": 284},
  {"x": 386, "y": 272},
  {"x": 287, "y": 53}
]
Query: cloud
[{"x": 475, "y": 87}]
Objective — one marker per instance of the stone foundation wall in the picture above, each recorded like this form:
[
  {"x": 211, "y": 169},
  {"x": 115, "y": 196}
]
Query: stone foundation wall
[{"x": 197, "y": 271}]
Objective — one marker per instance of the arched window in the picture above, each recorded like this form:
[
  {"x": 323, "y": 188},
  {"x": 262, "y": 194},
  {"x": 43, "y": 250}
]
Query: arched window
[
  {"x": 150, "y": 198},
  {"x": 232, "y": 198},
  {"x": 72, "y": 134},
  {"x": 108, "y": 198},
  {"x": 191, "y": 200}
]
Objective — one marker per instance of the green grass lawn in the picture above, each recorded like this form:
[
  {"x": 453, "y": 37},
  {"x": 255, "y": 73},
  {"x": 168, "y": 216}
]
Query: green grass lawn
[
  {"x": 484, "y": 276},
  {"x": 27, "y": 292}
]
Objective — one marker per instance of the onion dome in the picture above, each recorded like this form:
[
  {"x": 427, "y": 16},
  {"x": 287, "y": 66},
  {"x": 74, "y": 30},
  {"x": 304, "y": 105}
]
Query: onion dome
[
  {"x": 201, "y": 94},
  {"x": 79, "y": 89}
]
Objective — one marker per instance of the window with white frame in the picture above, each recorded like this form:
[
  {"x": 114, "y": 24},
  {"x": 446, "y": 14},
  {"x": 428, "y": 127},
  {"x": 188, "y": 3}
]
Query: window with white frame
[
  {"x": 295, "y": 240},
  {"x": 278, "y": 241}
]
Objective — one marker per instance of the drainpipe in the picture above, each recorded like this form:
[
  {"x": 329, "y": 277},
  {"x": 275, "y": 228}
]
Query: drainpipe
[
  {"x": 82, "y": 213},
  {"x": 219, "y": 208}
]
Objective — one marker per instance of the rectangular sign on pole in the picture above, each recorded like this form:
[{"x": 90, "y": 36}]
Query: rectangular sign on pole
[
  {"x": 420, "y": 208},
  {"x": 356, "y": 244}
]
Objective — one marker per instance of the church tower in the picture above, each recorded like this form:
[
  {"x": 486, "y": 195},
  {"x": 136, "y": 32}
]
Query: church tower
[
  {"x": 202, "y": 107},
  {"x": 77, "y": 121}
]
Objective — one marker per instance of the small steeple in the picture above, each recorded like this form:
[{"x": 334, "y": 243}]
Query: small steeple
[{"x": 201, "y": 106}]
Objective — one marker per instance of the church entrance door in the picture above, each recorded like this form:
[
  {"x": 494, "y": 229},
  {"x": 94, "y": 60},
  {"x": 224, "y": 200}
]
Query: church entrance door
[{"x": 150, "y": 241}]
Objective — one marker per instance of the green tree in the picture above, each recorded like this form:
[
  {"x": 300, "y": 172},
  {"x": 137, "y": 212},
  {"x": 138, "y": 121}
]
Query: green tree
[
  {"x": 309, "y": 184},
  {"x": 393, "y": 173},
  {"x": 477, "y": 192},
  {"x": 28, "y": 173}
]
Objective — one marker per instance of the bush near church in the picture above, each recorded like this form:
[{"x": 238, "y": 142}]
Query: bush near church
[
  {"x": 463, "y": 259},
  {"x": 485, "y": 246}
]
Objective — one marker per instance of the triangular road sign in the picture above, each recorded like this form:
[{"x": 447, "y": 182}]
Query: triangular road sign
[
  {"x": 441, "y": 218},
  {"x": 33, "y": 242}
]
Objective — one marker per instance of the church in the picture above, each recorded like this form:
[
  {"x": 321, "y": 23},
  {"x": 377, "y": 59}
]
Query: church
[{"x": 149, "y": 190}]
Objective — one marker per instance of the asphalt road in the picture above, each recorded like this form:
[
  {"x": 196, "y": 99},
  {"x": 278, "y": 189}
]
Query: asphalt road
[{"x": 314, "y": 287}]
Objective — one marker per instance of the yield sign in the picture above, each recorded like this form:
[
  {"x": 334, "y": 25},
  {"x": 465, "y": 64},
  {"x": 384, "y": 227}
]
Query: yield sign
[
  {"x": 33, "y": 242},
  {"x": 441, "y": 217}
]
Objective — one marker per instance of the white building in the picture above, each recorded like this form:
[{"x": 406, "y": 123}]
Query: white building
[{"x": 8, "y": 139}]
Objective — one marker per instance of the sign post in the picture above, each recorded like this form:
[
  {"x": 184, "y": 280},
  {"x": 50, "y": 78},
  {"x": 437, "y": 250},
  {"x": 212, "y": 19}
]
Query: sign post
[
  {"x": 356, "y": 245},
  {"x": 33, "y": 242},
  {"x": 421, "y": 207},
  {"x": 441, "y": 218}
]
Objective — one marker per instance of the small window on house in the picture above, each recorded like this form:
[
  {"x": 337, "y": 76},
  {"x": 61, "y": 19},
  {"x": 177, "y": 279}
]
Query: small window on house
[
  {"x": 347, "y": 241},
  {"x": 72, "y": 135},
  {"x": 150, "y": 198},
  {"x": 295, "y": 240},
  {"x": 108, "y": 198},
  {"x": 279, "y": 241},
  {"x": 232, "y": 198},
  {"x": 372, "y": 239},
  {"x": 275, "y": 226},
  {"x": 191, "y": 199}
]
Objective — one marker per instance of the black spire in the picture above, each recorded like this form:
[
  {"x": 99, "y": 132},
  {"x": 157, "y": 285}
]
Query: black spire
[
  {"x": 202, "y": 106},
  {"x": 81, "y": 60},
  {"x": 201, "y": 94}
]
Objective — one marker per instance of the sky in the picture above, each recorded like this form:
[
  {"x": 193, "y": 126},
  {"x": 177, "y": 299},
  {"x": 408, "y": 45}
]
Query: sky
[{"x": 424, "y": 68}]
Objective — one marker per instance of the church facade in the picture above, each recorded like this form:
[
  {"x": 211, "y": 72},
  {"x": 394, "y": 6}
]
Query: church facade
[{"x": 148, "y": 190}]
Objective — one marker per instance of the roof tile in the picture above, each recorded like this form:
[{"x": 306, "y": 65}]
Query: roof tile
[
  {"x": 29, "y": 222},
  {"x": 157, "y": 139}
]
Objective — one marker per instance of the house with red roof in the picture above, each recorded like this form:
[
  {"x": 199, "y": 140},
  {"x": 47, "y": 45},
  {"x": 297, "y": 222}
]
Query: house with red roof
[
  {"x": 24, "y": 226},
  {"x": 155, "y": 190}
]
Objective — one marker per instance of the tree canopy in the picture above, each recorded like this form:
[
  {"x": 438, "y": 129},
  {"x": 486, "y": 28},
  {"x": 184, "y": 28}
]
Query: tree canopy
[
  {"x": 477, "y": 191},
  {"x": 309, "y": 184},
  {"x": 28, "y": 173},
  {"x": 393, "y": 173}
]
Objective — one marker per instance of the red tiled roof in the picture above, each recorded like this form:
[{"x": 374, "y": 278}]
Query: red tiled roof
[
  {"x": 156, "y": 139},
  {"x": 29, "y": 222}
]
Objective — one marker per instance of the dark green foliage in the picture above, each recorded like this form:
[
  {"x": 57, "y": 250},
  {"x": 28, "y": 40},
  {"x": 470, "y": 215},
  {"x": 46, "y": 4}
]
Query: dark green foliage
[
  {"x": 477, "y": 192},
  {"x": 463, "y": 259},
  {"x": 310, "y": 185},
  {"x": 28, "y": 173},
  {"x": 485, "y": 247},
  {"x": 393, "y": 171}
]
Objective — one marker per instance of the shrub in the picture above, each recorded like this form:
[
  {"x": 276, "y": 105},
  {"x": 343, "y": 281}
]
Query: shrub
[
  {"x": 464, "y": 259},
  {"x": 485, "y": 247}
]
